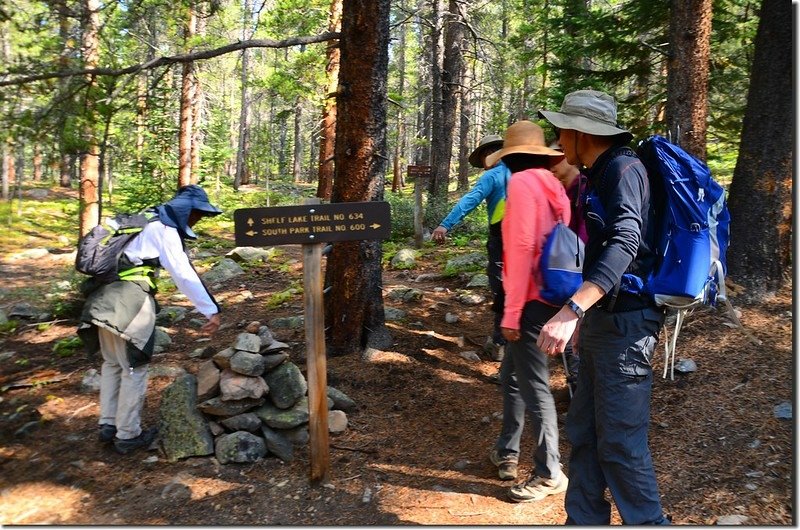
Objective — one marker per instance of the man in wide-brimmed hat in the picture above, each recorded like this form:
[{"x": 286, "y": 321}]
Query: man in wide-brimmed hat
[
  {"x": 119, "y": 318},
  {"x": 536, "y": 201},
  {"x": 491, "y": 187},
  {"x": 609, "y": 414}
]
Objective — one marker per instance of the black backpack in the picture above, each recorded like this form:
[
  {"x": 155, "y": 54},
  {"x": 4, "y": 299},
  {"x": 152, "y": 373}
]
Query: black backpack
[{"x": 100, "y": 250}]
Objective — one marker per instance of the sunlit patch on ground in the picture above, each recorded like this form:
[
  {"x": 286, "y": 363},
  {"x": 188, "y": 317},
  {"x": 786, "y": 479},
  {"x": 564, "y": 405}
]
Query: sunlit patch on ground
[{"x": 39, "y": 503}]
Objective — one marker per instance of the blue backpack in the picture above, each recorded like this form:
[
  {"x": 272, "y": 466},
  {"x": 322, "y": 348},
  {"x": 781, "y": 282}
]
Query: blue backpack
[
  {"x": 692, "y": 227},
  {"x": 692, "y": 236}
]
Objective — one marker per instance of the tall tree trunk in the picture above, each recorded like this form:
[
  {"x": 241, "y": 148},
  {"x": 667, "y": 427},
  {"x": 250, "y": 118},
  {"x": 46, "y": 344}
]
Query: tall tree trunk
[
  {"x": 5, "y": 139},
  {"x": 90, "y": 171},
  {"x": 422, "y": 156},
  {"x": 297, "y": 152},
  {"x": 37, "y": 162},
  {"x": 444, "y": 124},
  {"x": 64, "y": 161},
  {"x": 760, "y": 254},
  {"x": 354, "y": 306},
  {"x": 244, "y": 126},
  {"x": 328, "y": 134},
  {"x": 197, "y": 106},
  {"x": 400, "y": 143},
  {"x": 186, "y": 133},
  {"x": 4, "y": 160},
  {"x": 466, "y": 113},
  {"x": 440, "y": 161},
  {"x": 687, "y": 80},
  {"x": 244, "y": 114}
]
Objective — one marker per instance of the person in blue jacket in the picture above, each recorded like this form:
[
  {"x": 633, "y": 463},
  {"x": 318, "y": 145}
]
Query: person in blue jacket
[{"x": 491, "y": 187}]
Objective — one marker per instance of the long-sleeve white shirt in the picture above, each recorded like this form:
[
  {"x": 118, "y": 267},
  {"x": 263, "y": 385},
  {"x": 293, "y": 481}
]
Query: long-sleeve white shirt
[{"x": 163, "y": 242}]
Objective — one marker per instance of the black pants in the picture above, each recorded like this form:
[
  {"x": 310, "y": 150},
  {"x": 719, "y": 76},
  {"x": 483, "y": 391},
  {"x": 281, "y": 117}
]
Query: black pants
[{"x": 494, "y": 250}]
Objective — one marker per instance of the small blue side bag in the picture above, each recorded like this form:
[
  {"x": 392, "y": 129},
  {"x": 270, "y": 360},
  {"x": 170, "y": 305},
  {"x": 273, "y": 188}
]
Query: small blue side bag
[{"x": 561, "y": 265}]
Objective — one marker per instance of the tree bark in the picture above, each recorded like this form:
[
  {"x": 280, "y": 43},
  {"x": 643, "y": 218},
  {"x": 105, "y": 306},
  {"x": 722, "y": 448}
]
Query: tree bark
[
  {"x": 297, "y": 152},
  {"x": 422, "y": 156},
  {"x": 90, "y": 161},
  {"x": 400, "y": 143},
  {"x": 328, "y": 134},
  {"x": 37, "y": 162},
  {"x": 186, "y": 132},
  {"x": 354, "y": 306},
  {"x": 64, "y": 160},
  {"x": 687, "y": 78},
  {"x": 466, "y": 113},
  {"x": 760, "y": 199},
  {"x": 244, "y": 113}
]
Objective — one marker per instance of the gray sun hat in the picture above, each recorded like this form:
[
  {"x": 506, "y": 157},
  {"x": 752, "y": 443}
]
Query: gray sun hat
[
  {"x": 587, "y": 111},
  {"x": 490, "y": 140}
]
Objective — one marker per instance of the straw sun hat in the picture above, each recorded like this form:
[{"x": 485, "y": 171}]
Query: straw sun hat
[{"x": 522, "y": 137}]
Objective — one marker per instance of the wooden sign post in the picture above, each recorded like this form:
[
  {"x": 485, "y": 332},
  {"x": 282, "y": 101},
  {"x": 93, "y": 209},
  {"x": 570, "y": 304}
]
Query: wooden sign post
[
  {"x": 312, "y": 225},
  {"x": 419, "y": 175}
]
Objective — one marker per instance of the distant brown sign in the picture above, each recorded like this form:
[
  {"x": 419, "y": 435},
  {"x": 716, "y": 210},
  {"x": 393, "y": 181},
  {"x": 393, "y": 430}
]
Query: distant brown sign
[
  {"x": 313, "y": 223},
  {"x": 415, "y": 172}
]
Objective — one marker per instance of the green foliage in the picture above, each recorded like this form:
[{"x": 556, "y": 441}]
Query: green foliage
[
  {"x": 67, "y": 347},
  {"x": 282, "y": 297},
  {"x": 9, "y": 327}
]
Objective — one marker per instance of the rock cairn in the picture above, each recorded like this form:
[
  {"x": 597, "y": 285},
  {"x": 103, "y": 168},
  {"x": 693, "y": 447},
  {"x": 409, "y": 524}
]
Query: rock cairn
[{"x": 246, "y": 402}]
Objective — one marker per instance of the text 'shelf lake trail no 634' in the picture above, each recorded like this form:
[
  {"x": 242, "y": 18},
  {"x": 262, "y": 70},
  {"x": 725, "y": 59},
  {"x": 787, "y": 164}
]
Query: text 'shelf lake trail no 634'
[{"x": 314, "y": 223}]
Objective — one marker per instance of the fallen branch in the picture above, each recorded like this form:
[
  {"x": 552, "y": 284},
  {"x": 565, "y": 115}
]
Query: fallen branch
[
  {"x": 173, "y": 59},
  {"x": 354, "y": 449}
]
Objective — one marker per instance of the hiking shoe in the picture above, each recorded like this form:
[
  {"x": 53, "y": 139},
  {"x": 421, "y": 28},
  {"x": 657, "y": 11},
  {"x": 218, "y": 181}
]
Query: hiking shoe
[
  {"x": 498, "y": 352},
  {"x": 107, "y": 433},
  {"x": 495, "y": 378},
  {"x": 537, "y": 488},
  {"x": 506, "y": 467},
  {"x": 144, "y": 439},
  {"x": 495, "y": 351}
]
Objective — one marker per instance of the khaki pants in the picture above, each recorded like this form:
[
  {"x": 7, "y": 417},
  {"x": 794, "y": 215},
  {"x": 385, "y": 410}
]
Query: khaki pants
[{"x": 122, "y": 388}]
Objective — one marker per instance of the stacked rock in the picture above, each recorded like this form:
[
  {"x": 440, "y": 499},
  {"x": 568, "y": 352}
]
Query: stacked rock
[{"x": 246, "y": 402}]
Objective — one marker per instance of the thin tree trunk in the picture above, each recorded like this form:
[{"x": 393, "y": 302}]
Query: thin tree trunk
[
  {"x": 354, "y": 306},
  {"x": 64, "y": 160},
  {"x": 297, "y": 153},
  {"x": 90, "y": 175},
  {"x": 37, "y": 162},
  {"x": 244, "y": 113},
  {"x": 466, "y": 114},
  {"x": 5, "y": 139},
  {"x": 186, "y": 132},
  {"x": 424, "y": 96},
  {"x": 400, "y": 143},
  {"x": 197, "y": 108},
  {"x": 687, "y": 80},
  {"x": 328, "y": 133}
]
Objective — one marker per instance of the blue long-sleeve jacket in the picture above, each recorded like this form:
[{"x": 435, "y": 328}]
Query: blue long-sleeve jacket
[{"x": 491, "y": 186}]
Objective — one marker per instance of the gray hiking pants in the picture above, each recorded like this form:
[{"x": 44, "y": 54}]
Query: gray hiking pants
[
  {"x": 525, "y": 380},
  {"x": 122, "y": 388}
]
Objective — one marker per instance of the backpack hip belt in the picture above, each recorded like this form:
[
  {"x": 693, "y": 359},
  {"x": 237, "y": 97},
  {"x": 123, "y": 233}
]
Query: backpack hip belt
[{"x": 142, "y": 273}]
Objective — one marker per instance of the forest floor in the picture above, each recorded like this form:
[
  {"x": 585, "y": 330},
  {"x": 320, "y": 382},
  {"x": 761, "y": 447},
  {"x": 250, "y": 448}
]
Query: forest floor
[{"x": 416, "y": 449}]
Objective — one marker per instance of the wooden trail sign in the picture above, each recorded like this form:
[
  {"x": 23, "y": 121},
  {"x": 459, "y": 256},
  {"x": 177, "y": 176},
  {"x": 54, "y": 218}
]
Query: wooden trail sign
[{"x": 312, "y": 225}]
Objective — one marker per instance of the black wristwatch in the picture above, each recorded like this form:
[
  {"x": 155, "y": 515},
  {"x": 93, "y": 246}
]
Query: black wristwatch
[{"x": 575, "y": 307}]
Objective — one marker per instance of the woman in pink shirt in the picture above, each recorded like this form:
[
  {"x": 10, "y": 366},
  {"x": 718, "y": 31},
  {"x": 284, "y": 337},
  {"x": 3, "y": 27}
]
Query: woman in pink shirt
[{"x": 536, "y": 200}]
